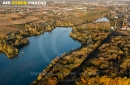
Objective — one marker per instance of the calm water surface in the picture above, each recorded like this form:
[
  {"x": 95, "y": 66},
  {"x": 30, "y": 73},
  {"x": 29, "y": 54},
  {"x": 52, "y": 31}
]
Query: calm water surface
[
  {"x": 102, "y": 19},
  {"x": 37, "y": 55}
]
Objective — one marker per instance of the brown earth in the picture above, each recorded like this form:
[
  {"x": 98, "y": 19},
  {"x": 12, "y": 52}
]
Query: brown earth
[
  {"x": 4, "y": 20},
  {"x": 11, "y": 22},
  {"x": 5, "y": 30}
]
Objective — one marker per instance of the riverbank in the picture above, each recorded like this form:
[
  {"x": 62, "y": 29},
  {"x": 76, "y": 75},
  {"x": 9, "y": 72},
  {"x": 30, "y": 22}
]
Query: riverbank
[
  {"x": 70, "y": 60},
  {"x": 60, "y": 68},
  {"x": 36, "y": 56},
  {"x": 36, "y": 28},
  {"x": 110, "y": 69}
]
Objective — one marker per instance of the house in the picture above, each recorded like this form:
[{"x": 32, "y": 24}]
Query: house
[{"x": 124, "y": 28}]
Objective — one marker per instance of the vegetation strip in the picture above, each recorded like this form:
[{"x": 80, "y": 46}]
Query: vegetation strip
[{"x": 61, "y": 69}]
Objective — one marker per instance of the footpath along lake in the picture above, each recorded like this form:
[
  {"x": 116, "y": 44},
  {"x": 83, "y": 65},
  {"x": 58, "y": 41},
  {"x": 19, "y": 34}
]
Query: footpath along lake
[{"x": 34, "y": 57}]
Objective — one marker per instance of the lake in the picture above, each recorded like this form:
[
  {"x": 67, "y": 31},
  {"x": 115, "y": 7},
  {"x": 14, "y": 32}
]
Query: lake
[
  {"x": 24, "y": 69},
  {"x": 105, "y": 19}
]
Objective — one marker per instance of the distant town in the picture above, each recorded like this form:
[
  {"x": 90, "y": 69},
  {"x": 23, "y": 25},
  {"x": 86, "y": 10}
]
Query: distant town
[{"x": 24, "y": 2}]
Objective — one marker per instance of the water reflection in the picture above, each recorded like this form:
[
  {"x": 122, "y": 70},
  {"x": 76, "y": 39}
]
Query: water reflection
[{"x": 37, "y": 55}]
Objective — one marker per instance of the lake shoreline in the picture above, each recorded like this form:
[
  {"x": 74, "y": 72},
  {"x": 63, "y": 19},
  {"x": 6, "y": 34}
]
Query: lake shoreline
[
  {"x": 34, "y": 55},
  {"x": 49, "y": 69},
  {"x": 56, "y": 59}
]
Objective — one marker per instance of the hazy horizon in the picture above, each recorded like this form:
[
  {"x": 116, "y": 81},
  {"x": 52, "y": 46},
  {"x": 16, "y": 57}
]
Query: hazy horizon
[{"x": 69, "y": 0}]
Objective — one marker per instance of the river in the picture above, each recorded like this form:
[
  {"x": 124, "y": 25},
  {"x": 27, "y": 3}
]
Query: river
[{"x": 34, "y": 57}]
